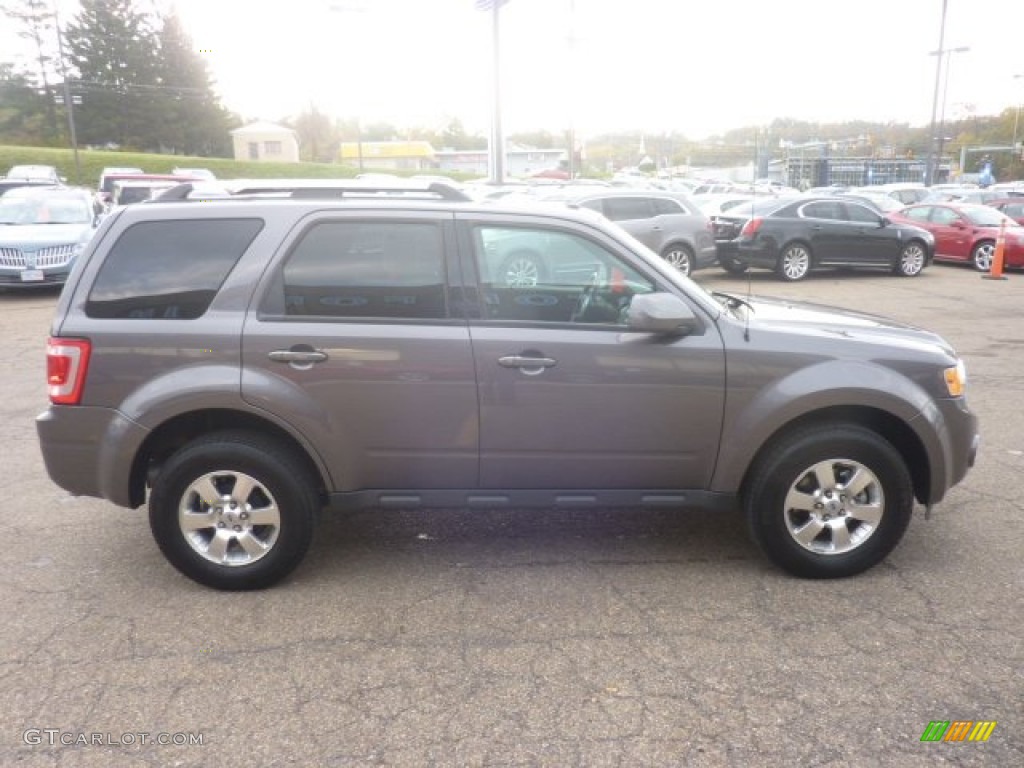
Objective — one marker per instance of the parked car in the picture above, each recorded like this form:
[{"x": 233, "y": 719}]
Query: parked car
[
  {"x": 669, "y": 223},
  {"x": 202, "y": 174},
  {"x": 42, "y": 232},
  {"x": 129, "y": 191},
  {"x": 907, "y": 193},
  {"x": 727, "y": 226},
  {"x": 961, "y": 195},
  {"x": 811, "y": 233},
  {"x": 46, "y": 173},
  {"x": 111, "y": 180},
  {"x": 110, "y": 174},
  {"x": 1011, "y": 206},
  {"x": 967, "y": 232},
  {"x": 6, "y": 184},
  {"x": 241, "y": 363}
]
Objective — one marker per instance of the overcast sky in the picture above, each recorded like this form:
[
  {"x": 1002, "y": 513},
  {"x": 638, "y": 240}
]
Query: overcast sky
[{"x": 694, "y": 66}]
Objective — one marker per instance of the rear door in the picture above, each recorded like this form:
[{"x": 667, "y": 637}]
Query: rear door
[{"x": 358, "y": 344}]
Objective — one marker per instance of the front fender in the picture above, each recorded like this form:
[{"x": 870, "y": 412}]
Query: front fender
[{"x": 754, "y": 417}]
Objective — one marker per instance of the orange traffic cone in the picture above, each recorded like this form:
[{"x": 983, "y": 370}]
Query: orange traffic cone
[{"x": 996, "y": 270}]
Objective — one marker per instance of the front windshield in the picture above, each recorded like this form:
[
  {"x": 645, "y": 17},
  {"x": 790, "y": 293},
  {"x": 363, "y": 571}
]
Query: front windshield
[{"x": 30, "y": 210}]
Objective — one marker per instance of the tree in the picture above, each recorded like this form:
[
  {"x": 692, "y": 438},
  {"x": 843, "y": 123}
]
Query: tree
[
  {"x": 113, "y": 48},
  {"x": 23, "y": 109},
  {"x": 37, "y": 25},
  {"x": 192, "y": 121},
  {"x": 319, "y": 138}
]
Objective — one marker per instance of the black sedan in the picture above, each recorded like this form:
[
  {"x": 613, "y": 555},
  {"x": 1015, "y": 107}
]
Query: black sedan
[{"x": 809, "y": 233}]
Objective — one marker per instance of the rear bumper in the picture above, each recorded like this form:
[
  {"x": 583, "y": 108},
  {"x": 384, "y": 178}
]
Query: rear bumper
[{"x": 89, "y": 451}]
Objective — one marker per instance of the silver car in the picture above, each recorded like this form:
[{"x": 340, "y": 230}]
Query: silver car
[
  {"x": 42, "y": 232},
  {"x": 669, "y": 223}
]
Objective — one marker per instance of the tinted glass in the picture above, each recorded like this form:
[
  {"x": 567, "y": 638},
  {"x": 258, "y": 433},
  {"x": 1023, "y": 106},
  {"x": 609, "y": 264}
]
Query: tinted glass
[
  {"x": 169, "y": 269},
  {"x": 920, "y": 213},
  {"x": 860, "y": 213},
  {"x": 626, "y": 208},
  {"x": 665, "y": 205},
  {"x": 827, "y": 209},
  {"x": 367, "y": 269},
  {"x": 541, "y": 275}
]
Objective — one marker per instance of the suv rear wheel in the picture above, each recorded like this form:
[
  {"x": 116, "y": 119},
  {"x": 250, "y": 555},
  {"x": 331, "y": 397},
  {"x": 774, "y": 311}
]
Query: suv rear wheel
[
  {"x": 680, "y": 257},
  {"x": 233, "y": 511},
  {"x": 829, "y": 501}
]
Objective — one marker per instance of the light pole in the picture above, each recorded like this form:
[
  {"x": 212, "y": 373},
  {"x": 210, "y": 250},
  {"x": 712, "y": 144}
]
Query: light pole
[
  {"x": 68, "y": 98},
  {"x": 942, "y": 113},
  {"x": 929, "y": 172}
]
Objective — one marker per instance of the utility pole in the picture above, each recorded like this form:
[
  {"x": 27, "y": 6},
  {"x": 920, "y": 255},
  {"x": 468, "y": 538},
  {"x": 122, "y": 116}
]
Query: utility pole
[{"x": 68, "y": 98}]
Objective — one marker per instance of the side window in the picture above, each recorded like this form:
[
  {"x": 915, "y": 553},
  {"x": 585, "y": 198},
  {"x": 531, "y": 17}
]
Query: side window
[
  {"x": 594, "y": 205},
  {"x": 169, "y": 269},
  {"x": 546, "y": 275},
  {"x": 921, "y": 213},
  {"x": 861, "y": 214},
  {"x": 944, "y": 216},
  {"x": 367, "y": 269},
  {"x": 823, "y": 210},
  {"x": 626, "y": 208},
  {"x": 665, "y": 205}
]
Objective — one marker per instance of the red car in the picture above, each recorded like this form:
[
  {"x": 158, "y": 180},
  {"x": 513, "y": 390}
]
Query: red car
[
  {"x": 1011, "y": 206},
  {"x": 966, "y": 232}
]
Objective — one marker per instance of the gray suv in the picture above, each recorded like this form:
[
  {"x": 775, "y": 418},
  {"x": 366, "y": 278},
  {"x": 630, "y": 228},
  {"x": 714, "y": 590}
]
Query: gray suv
[
  {"x": 243, "y": 362},
  {"x": 670, "y": 224}
]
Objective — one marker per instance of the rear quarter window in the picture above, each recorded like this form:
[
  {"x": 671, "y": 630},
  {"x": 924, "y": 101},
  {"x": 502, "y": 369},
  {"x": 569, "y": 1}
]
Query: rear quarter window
[{"x": 168, "y": 269}]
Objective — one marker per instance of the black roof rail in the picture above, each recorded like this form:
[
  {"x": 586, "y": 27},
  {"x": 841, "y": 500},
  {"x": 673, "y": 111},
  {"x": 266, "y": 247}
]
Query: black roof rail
[{"x": 310, "y": 189}]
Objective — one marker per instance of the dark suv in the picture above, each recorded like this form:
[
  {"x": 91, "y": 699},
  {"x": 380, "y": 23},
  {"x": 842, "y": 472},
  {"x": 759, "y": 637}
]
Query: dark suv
[{"x": 242, "y": 362}]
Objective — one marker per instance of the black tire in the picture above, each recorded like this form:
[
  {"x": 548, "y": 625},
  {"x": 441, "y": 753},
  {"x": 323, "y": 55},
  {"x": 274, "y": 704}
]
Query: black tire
[
  {"x": 912, "y": 260},
  {"x": 982, "y": 255},
  {"x": 262, "y": 530},
  {"x": 680, "y": 257},
  {"x": 732, "y": 266},
  {"x": 795, "y": 262},
  {"x": 800, "y": 515}
]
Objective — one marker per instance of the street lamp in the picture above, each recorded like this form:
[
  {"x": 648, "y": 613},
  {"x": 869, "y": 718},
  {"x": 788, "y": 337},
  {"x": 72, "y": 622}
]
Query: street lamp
[{"x": 945, "y": 89}]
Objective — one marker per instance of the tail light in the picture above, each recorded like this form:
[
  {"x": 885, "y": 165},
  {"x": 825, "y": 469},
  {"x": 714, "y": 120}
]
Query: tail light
[
  {"x": 67, "y": 361},
  {"x": 751, "y": 227}
]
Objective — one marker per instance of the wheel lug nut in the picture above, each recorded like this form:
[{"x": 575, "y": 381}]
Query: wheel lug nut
[
  {"x": 238, "y": 528},
  {"x": 220, "y": 524},
  {"x": 244, "y": 515}
]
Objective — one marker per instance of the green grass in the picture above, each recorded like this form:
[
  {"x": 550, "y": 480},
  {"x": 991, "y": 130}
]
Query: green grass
[{"x": 93, "y": 161}]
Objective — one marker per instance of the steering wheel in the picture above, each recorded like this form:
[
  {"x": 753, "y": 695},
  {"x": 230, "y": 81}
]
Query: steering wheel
[{"x": 583, "y": 303}]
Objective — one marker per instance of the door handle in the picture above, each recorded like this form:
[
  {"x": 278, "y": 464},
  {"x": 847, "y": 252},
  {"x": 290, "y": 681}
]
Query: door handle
[
  {"x": 528, "y": 365},
  {"x": 297, "y": 356}
]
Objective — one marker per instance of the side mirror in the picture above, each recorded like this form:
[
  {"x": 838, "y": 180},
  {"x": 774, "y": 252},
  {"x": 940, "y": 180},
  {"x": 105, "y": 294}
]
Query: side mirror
[
  {"x": 884, "y": 221},
  {"x": 661, "y": 313}
]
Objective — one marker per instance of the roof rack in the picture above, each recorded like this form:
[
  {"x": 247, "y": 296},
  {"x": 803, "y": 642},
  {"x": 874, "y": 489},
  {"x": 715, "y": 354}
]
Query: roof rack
[{"x": 308, "y": 189}]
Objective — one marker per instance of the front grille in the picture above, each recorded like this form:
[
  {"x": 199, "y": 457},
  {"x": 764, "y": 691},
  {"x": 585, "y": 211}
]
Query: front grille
[
  {"x": 53, "y": 256},
  {"x": 11, "y": 257}
]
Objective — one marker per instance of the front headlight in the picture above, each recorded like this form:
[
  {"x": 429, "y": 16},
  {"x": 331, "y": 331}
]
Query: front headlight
[{"x": 956, "y": 379}]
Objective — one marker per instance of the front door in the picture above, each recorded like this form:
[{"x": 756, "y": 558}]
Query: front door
[{"x": 569, "y": 399}]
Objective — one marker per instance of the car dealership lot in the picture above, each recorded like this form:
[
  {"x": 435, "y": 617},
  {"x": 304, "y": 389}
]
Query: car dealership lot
[{"x": 452, "y": 637}]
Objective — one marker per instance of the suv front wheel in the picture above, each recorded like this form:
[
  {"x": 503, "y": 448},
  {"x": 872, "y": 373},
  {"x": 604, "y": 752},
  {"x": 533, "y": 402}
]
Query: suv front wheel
[
  {"x": 233, "y": 511},
  {"x": 829, "y": 501}
]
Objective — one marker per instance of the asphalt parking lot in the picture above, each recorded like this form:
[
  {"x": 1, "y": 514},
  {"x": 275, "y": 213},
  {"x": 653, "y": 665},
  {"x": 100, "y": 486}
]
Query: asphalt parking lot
[{"x": 512, "y": 638}]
